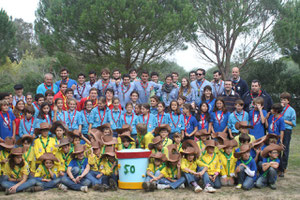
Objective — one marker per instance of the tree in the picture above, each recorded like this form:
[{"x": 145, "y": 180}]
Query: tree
[
  {"x": 118, "y": 33},
  {"x": 287, "y": 30},
  {"x": 235, "y": 31},
  {"x": 7, "y": 35}
]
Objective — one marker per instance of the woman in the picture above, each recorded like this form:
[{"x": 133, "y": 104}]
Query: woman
[
  {"x": 187, "y": 91},
  {"x": 168, "y": 91}
]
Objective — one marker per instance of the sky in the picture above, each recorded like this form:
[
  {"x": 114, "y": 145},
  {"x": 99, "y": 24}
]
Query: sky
[{"x": 25, "y": 9}]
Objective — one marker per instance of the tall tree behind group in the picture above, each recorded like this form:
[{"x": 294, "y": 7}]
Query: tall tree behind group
[
  {"x": 235, "y": 31},
  {"x": 118, "y": 33}
]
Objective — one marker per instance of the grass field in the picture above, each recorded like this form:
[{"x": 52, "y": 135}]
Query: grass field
[{"x": 287, "y": 187}]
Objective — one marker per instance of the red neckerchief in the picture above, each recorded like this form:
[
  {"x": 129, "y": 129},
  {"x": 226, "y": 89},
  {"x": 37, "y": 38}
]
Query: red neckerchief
[
  {"x": 46, "y": 87},
  {"x": 113, "y": 116},
  {"x": 84, "y": 112},
  {"x": 131, "y": 118},
  {"x": 73, "y": 117},
  {"x": 147, "y": 119},
  {"x": 30, "y": 125},
  {"x": 282, "y": 113},
  {"x": 83, "y": 86},
  {"x": 199, "y": 87},
  {"x": 36, "y": 105},
  {"x": 273, "y": 122},
  {"x": 64, "y": 115},
  {"x": 95, "y": 103},
  {"x": 103, "y": 89},
  {"x": 47, "y": 119},
  {"x": 203, "y": 121},
  {"x": 254, "y": 123},
  {"x": 175, "y": 125},
  {"x": 144, "y": 87},
  {"x": 67, "y": 81},
  {"x": 162, "y": 117},
  {"x": 219, "y": 120},
  {"x": 259, "y": 93},
  {"x": 186, "y": 122},
  {"x": 237, "y": 117},
  {"x": 102, "y": 118},
  {"x": 8, "y": 120},
  {"x": 122, "y": 87}
]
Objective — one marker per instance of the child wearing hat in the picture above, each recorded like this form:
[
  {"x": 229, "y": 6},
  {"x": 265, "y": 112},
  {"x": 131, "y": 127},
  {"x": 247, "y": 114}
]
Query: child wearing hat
[
  {"x": 143, "y": 138},
  {"x": 77, "y": 170},
  {"x": 7, "y": 121},
  {"x": 154, "y": 171},
  {"x": 44, "y": 143},
  {"x": 157, "y": 146},
  {"x": 47, "y": 172},
  {"x": 228, "y": 162},
  {"x": 171, "y": 173},
  {"x": 270, "y": 166},
  {"x": 64, "y": 155},
  {"x": 130, "y": 118},
  {"x": 59, "y": 131},
  {"x": 27, "y": 125},
  {"x": 16, "y": 172},
  {"x": 125, "y": 141},
  {"x": 243, "y": 127},
  {"x": 177, "y": 138},
  {"x": 202, "y": 137},
  {"x": 26, "y": 141},
  {"x": 76, "y": 137},
  {"x": 164, "y": 130},
  {"x": 245, "y": 168},
  {"x": 7, "y": 145}
]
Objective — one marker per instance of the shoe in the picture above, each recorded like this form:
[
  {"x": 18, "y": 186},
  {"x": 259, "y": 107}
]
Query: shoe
[
  {"x": 182, "y": 186},
  {"x": 281, "y": 175},
  {"x": 209, "y": 189},
  {"x": 37, "y": 189},
  {"x": 197, "y": 189},
  {"x": 101, "y": 188},
  {"x": 62, "y": 187},
  {"x": 96, "y": 187},
  {"x": 239, "y": 186},
  {"x": 162, "y": 186},
  {"x": 152, "y": 186},
  {"x": 146, "y": 186},
  {"x": 113, "y": 184},
  {"x": 273, "y": 186},
  {"x": 84, "y": 189},
  {"x": 7, "y": 192}
]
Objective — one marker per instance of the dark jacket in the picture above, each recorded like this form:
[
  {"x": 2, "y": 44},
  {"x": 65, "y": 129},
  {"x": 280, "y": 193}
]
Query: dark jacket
[
  {"x": 241, "y": 87},
  {"x": 268, "y": 102}
]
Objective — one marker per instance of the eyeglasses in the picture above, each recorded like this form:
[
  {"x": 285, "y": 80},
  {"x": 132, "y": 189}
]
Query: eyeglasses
[{"x": 199, "y": 74}]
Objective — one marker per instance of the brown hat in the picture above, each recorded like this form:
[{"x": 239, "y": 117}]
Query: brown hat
[
  {"x": 48, "y": 156},
  {"x": 63, "y": 141},
  {"x": 155, "y": 141},
  {"x": 271, "y": 135},
  {"x": 141, "y": 128},
  {"x": 177, "y": 134},
  {"x": 108, "y": 140},
  {"x": 161, "y": 127},
  {"x": 96, "y": 134},
  {"x": 8, "y": 143},
  {"x": 125, "y": 128},
  {"x": 201, "y": 133},
  {"x": 221, "y": 135},
  {"x": 173, "y": 155},
  {"x": 270, "y": 148},
  {"x": 43, "y": 126},
  {"x": 109, "y": 150},
  {"x": 191, "y": 143},
  {"x": 259, "y": 142},
  {"x": 189, "y": 150},
  {"x": 243, "y": 149},
  {"x": 17, "y": 151},
  {"x": 126, "y": 134},
  {"x": 56, "y": 124},
  {"x": 74, "y": 133},
  {"x": 242, "y": 125},
  {"x": 172, "y": 148},
  {"x": 79, "y": 148},
  {"x": 228, "y": 143},
  {"x": 25, "y": 136},
  {"x": 95, "y": 144},
  {"x": 159, "y": 156},
  {"x": 104, "y": 126},
  {"x": 210, "y": 143}
]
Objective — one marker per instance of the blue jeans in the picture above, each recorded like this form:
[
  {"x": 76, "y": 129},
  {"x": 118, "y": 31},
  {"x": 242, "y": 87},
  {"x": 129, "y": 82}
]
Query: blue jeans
[
  {"x": 8, "y": 184},
  {"x": 156, "y": 174},
  {"x": 270, "y": 178},
  {"x": 285, "y": 155},
  {"x": 191, "y": 178},
  {"x": 92, "y": 177},
  {"x": 105, "y": 179},
  {"x": 173, "y": 185},
  {"x": 75, "y": 186},
  {"x": 47, "y": 185},
  {"x": 246, "y": 181},
  {"x": 217, "y": 183}
]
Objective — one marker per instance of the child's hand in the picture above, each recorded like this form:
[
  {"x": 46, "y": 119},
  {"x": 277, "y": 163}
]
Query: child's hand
[
  {"x": 55, "y": 108},
  {"x": 5, "y": 160},
  {"x": 61, "y": 173},
  {"x": 178, "y": 164},
  {"x": 259, "y": 107},
  {"x": 78, "y": 179},
  {"x": 98, "y": 176},
  {"x": 13, "y": 189}
]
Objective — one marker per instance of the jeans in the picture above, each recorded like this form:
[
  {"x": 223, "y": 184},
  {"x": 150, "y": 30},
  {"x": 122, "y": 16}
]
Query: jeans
[
  {"x": 246, "y": 181},
  {"x": 75, "y": 186},
  {"x": 285, "y": 155},
  {"x": 270, "y": 178},
  {"x": 259, "y": 167},
  {"x": 92, "y": 177},
  {"x": 191, "y": 178},
  {"x": 217, "y": 183},
  {"x": 8, "y": 184},
  {"x": 156, "y": 174},
  {"x": 173, "y": 185},
  {"x": 47, "y": 185},
  {"x": 105, "y": 179}
]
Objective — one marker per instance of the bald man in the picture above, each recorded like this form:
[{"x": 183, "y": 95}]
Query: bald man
[
  {"x": 239, "y": 85},
  {"x": 47, "y": 85}
]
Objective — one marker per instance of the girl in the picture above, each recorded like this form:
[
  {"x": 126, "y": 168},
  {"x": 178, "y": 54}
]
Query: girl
[
  {"x": 177, "y": 138},
  {"x": 219, "y": 117},
  {"x": 39, "y": 99},
  {"x": 137, "y": 109},
  {"x": 143, "y": 138},
  {"x": 176, "y": 119},
  {"x": 187, "y": 91},
  {"x": 27, "y": 143},
  {"x": 168, "y": 91},
  {"x": 164, "y": 131},
  {"x": 19, "y": 114},
  {"x": 99, "y": 113},
  {"x": 75, "y": 122},
  {"x": 29, "y": 98},
  {"x": 114, "y": 116},
  {"x": 154, "y": 100},
  {"x": 181, "y": 101},
  {"x": 59, "y": 131},
  {"x": 157, "y": 146},
  {"x": 203, "y": 117},
  {"x": 134, "y": 96},
  {"x": 16, "y": 171},
  {"x": 190, "y": 122},
  {"x": 77, "y": 170},
  {"x": 87, "y": 118},
  {"x": 130, "y": 118},
  {"x": 162, "y": 117},
  {"x": 44, "y": 115},
  {"x": 7, "y": 146},
  {"x": 147, "y": 118},
  {"x": 47, "y": 173},
  {"x": 58, "y": 113},
  {"x": 7, "y": 121},
  {"x": 208, "y": 97},
  {"x": 27, "y": 125}
]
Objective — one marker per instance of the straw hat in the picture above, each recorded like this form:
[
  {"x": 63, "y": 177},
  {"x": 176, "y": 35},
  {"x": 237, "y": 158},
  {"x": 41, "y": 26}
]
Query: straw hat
[
  {"x": 104, "y": 126},
  {"x": 270, "y": 148},
  {"x": 17, "y": 151},
  {"x": 189, "y": 150},
  {"x": 8, "y": 143},
  {"x": 201, "y": 132},
  {"x": 108, "y": 140},
  {"x": 63, "y": 141},
  {"x": 56, "y": 124},
  {"x": 79, "y": 148},
  {"x": 155, "y": 141},
  {"x": 271, "y": 135},
  {"x": 125, "y": 128},
  {"x": 159, "y": 156},
  {"x": 228, "y": 143},
  {"x": 43, "y": 126},
  {"x": 48, "y": 156},
  {"x": 259, "y": 142},
  {"x": 191, "y": 143},
  {"x": 24, "y": 137},
  {"x": 95, "y": 144},
  {"x": 243, "y": 149},
  {"x": 242, "y": 125},
  {"x": 110, "y": 151},
  {"x": 126, "y": 134},
  {"x": 162, "y": 126}
]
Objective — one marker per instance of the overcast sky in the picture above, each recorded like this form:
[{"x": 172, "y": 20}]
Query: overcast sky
[{"x": 25, "y": 9}]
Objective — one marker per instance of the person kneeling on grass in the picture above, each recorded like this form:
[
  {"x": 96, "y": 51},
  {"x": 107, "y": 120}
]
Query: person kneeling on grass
[{"x": 270, "y": 166}]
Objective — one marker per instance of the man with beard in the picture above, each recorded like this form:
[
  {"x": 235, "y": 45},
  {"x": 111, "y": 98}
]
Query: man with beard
[
  {"x": 64, "y": 75},
  {"x": 229, "y": 96},
  {"x": 217, "y": 84},
  {"x": 199, "y": 84},
  {"x": 105, "y": 82}
]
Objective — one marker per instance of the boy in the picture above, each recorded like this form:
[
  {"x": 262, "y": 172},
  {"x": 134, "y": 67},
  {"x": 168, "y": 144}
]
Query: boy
[
  {"x": 39, "y": 99},
  {"x": 27, "y": 125},
  {"x": 144, "y": 138},
  {"x": 157, "y": 146},
  {"x": 276, "y": 123},
  {"x": 164, "y": 130},
  {"x": 257, "y": 118},
  {"x": 177, "y": 138},
  {"x": 125, "y": 141},
  {"x": 243, "y": 128},
  {"x": 237, "y": 116}
]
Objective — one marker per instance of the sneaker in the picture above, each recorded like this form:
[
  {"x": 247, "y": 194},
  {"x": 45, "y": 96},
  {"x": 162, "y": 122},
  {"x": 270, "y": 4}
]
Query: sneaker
[
  {"x": 182, "y": 186},
  {"x": 152, "y": 186},
  {"x": 84, "y": 189},
  {"x": 197, "y": 189},
  {"x": 62, "y": 187},
  {"x": 102, "y": 188},
  {"x": 96, "y": 187},
  {"x": 162, "y": 186},
  {"x": 239, "y": 186},
  {"x": 146, "y": 186},
  {"x": 113, "y": 184},
  {"x": 37, "y": 188},
  {"x": 273, "y": 186},
  {"x": 209, "y": 189}
]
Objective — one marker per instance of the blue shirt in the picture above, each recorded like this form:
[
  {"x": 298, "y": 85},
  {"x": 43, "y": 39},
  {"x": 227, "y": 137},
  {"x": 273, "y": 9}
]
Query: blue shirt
[
  {"x": 236, "y": 117},
  {"x": 211, "y": 104},
  {"x": 102, "y": 87},
  {"x": 123, "y": 93},
  {"x": 255, "y": 120},
  {"x": 114, "y": 118},
  {"x": 150, "y": 120},
  {"x": 74, "y": 120},
  {"x": 70, "y": 83},
  {"x": 289, "y": 114},
  {"x": 168, "y": 97},
  {"x": 203, "y": 122},
  {"x": 81, "y": 164},
  {"x": 38, "y": 121},
  {"x": 132, "y": 120},
  {"x": 219, "y": 120},
  {"x": 89, "y": 86},
  {"x": 198, "y": 86},
  {"x": 61, "y": 116},
  {"x": 153, "y": 111},
  {"x": 144, "y": 90},
  {"x": 191, "y": 124},
  {"x": 28, "y": 128},
  {"x": 5, "y": 130},
  {"x": 275, "y": 125},
  {"x": 36, "y": 109},
  {"x": 81, "y": 92},
  {"x": 217, "y": 88},
  {"x": 251, "y": 165},
  {"x": 176, "y": 122},
  {"x": 190, "y": 97},
  {"x": 16, "y": 99},
  {"x": 42, "y": 88},
  {"x": 165, "y": 119},
  {"x": 99, "y": 117},
  {"x": 87, "y": 119}
]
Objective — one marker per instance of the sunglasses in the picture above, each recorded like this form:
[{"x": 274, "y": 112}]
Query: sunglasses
[{"x": 199, "y": 74}]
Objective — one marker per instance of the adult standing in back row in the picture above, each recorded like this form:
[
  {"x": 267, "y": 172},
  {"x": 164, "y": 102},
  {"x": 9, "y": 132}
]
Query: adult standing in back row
[
  {"x": 239, "y": 85},
  {"x": 199, "y": 84}
]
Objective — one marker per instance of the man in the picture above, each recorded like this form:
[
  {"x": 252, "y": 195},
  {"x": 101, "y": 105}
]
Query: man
[
  {"x": 199, "y": 84},
  {"x": 256, "y": 91},
  {"x": 47, "y": 85},
  {"x": 217, "y": 84},
  {"x": 62, "y": 94},
  {"x": 145, "y": 87},
  {"x": 192, "y": 75},
  {"x": 49, "y": 96},
  {"x": 133, "y": 75},
  {"x": 239, "y": 85},
  {"x": 116, "y": 75},
  {"x": 124, "y": 90},
  {"x": 19, "y": 89},
  {"x": 64, "y": 75},
  {"x": 81, "y": 90},
  {"x": 105, "y": 82},
  {"x": 93, "y": 83},
  {"x": 93, "y": 95},
  {"x": 175, "y": 77},
  {"x": 229, "y": 96},
  {"x": 154, "y": 76}
]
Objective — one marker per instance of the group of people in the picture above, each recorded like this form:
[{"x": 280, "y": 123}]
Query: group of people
[{"x": 202, "y": 134}]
